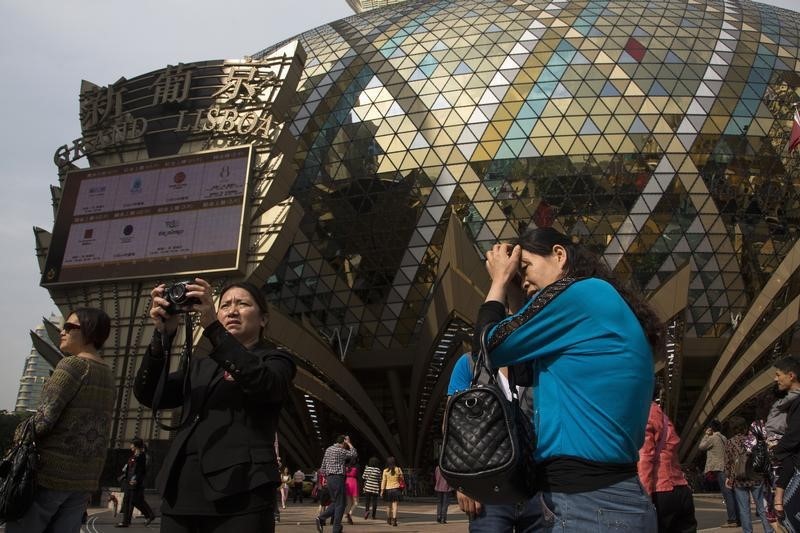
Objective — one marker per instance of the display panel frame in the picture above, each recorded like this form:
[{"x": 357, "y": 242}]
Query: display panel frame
[{"x": 164, "y": 217}]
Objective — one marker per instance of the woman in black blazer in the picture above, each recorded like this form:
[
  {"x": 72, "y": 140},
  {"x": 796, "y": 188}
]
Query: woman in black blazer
[
  {"x": 133, "y": 482},
  {"x": 221, "y": 473}
]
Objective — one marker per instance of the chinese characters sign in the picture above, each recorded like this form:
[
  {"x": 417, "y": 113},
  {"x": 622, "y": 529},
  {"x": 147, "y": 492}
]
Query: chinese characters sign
[{"x": 233, "y": 99}]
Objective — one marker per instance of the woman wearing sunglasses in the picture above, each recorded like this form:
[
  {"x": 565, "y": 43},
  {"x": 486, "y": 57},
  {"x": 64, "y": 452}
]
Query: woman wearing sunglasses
[{"x": 72, "y": 425}]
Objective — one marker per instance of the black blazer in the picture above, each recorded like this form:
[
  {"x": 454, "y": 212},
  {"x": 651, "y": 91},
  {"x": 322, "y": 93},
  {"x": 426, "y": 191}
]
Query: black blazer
[
  {"x": 232, "y": 419},
  {"x": 138, "y": 472}
]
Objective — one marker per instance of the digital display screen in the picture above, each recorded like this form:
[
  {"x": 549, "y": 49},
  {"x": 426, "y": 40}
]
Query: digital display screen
[{"x": 157, "y": 218}]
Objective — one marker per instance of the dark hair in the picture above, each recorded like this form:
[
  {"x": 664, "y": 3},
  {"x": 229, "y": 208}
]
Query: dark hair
[
  {"x": 139, "y": 443},
  {"x": 255, "y": 292},
  {"x": 737, "y": 425},
  {"x": 95, "y": 325},
  {"x": 583, "y": 263},
  {"x": 789, "y": 364},
  {"x": 715, "y": 425},
  {"x": 391, "y": 464},
  {"x": 373, "y": 461},
  {"x": 340, "y": 439}
]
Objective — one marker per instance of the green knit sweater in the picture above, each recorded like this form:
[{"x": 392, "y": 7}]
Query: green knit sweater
[{"x": 72, "y": 425}]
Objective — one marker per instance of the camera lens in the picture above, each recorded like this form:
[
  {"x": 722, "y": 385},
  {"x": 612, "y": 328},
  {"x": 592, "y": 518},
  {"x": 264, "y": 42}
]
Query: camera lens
[{"x": 177, "y": 292}]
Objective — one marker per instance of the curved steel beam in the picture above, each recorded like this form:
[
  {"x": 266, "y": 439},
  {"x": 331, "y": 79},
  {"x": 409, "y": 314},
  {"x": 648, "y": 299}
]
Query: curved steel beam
[
  {"x": 779, "y": 325},
  {"x": 307, "y": 345},
  {"x": 292, "y": 442},
  {"x": 311, "y": 385},
  {"x": 460, "y": 290},
  {"x": 757, "y": 385},
  {"x": 438, "y": 393},
  {"x": 699, "y": 414}
]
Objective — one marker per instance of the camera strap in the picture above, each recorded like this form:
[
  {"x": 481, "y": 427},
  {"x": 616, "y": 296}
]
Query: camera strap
[{"x": 183, "y": 368}]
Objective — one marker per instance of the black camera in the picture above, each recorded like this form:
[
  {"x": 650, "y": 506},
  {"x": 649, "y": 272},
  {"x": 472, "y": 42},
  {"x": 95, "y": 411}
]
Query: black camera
[{"x": 175, "y": 294}]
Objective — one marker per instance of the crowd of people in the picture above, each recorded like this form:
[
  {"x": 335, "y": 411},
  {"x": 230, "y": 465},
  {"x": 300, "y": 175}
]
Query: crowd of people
[{"x": 578, "y": 344}]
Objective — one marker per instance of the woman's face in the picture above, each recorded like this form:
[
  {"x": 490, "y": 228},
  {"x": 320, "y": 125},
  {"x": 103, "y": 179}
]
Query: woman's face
[
  {"x": 71, "y": 338},
  {"x": 539, "y": 271},
  {"x": 240, "y": 315}
]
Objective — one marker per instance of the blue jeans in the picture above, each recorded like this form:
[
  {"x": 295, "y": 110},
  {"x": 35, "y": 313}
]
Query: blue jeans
[
  {"x": 623, "y": 506},
  {"x": 61, "y": 510},
  {"x": 519, "y": 518},
  {"x": 743, "y": 503},
  {"x": 336, "y": 508},
  {"x": 728, "y": 497}
]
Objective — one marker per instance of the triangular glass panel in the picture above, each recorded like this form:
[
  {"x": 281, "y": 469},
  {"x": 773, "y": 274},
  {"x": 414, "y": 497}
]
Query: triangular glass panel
[
  {"x": 462, "y": 68},
  {"x": 657, "y": 90},
  {"x": 638, "y": 127},
  {"x": 609, "y": 90},
  {"x": 589, "y": 127}
]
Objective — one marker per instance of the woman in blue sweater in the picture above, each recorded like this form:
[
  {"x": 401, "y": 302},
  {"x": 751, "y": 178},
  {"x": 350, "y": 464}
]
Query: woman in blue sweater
[{"x": 589, "y": 343}]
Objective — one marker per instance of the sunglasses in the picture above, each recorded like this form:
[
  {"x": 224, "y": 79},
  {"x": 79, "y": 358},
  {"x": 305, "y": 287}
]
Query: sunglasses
[{"x": 69, "y": 326}]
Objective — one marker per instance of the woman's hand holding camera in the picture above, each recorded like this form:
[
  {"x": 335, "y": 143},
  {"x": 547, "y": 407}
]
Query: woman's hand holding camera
[
  {"x": 201, "y": 290},
  {"x": 163, "y": 321},
  {"x": 198, "y": 299}
]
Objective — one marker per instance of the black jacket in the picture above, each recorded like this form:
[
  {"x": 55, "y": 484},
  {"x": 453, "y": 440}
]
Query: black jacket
[
  {"x": 138, "y": 472},
  {"x": 231, "y": 419}
]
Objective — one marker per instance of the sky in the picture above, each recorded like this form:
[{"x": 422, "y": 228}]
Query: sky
[{"x": 46, "y": 48}]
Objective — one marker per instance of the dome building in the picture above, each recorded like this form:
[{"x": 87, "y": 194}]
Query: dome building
[{"x": 423, "y": 132}]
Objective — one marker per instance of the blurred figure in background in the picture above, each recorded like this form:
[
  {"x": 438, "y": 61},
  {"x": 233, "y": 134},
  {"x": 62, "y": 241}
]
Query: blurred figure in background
[
  {"x": 372, "y": 486},
  {"x": 713, "y": 443},
  {"x": 738, "y": 476},
  {"x": 286, "y": 477},
  {"x": 661, "y": 475},
  {"x": 350, "y": 491},
  {"x": 443, "y": 490},
  {"x": 297, "y": 480},
  {"x": 133, "y": 485},
  {"x": 391, "y": 486}
]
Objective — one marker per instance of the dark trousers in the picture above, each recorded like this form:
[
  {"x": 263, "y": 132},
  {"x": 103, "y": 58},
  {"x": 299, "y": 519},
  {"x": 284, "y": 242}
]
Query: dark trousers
[
  {"x": 134, "y": 497},
  {"x": 298, "y": 492},
  {"x": 442, "y": 502},
  {"x": 336, "y": 508},
  {"x": 372, "y": 500},
  {"x": 262, "y": 522},
  {"x": 675, "y": 510}
]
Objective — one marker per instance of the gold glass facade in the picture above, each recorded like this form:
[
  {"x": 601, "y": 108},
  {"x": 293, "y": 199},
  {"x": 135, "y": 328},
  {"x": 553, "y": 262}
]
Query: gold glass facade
[{"x": 652, "y": 131}]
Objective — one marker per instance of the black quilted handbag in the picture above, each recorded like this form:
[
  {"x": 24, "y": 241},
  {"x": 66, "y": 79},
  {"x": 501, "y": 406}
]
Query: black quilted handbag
[
  {"x": 18, "y": 475},
  {"x": 488, "y": 443}
]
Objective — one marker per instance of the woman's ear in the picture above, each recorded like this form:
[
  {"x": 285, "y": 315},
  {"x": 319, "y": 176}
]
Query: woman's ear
[{"x": 561, "y": 254}]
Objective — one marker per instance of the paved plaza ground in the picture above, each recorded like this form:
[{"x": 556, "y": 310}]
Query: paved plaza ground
[{"x": 417, "y": 515}]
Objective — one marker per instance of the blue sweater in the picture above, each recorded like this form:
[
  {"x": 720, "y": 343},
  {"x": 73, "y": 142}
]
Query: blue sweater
[
  {"x": 461, "y": 376},
  {"x": 593, "y": 373}
]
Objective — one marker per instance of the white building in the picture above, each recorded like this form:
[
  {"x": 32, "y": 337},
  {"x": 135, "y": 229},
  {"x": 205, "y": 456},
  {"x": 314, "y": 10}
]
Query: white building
[{"x": 36, "y": 372}]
